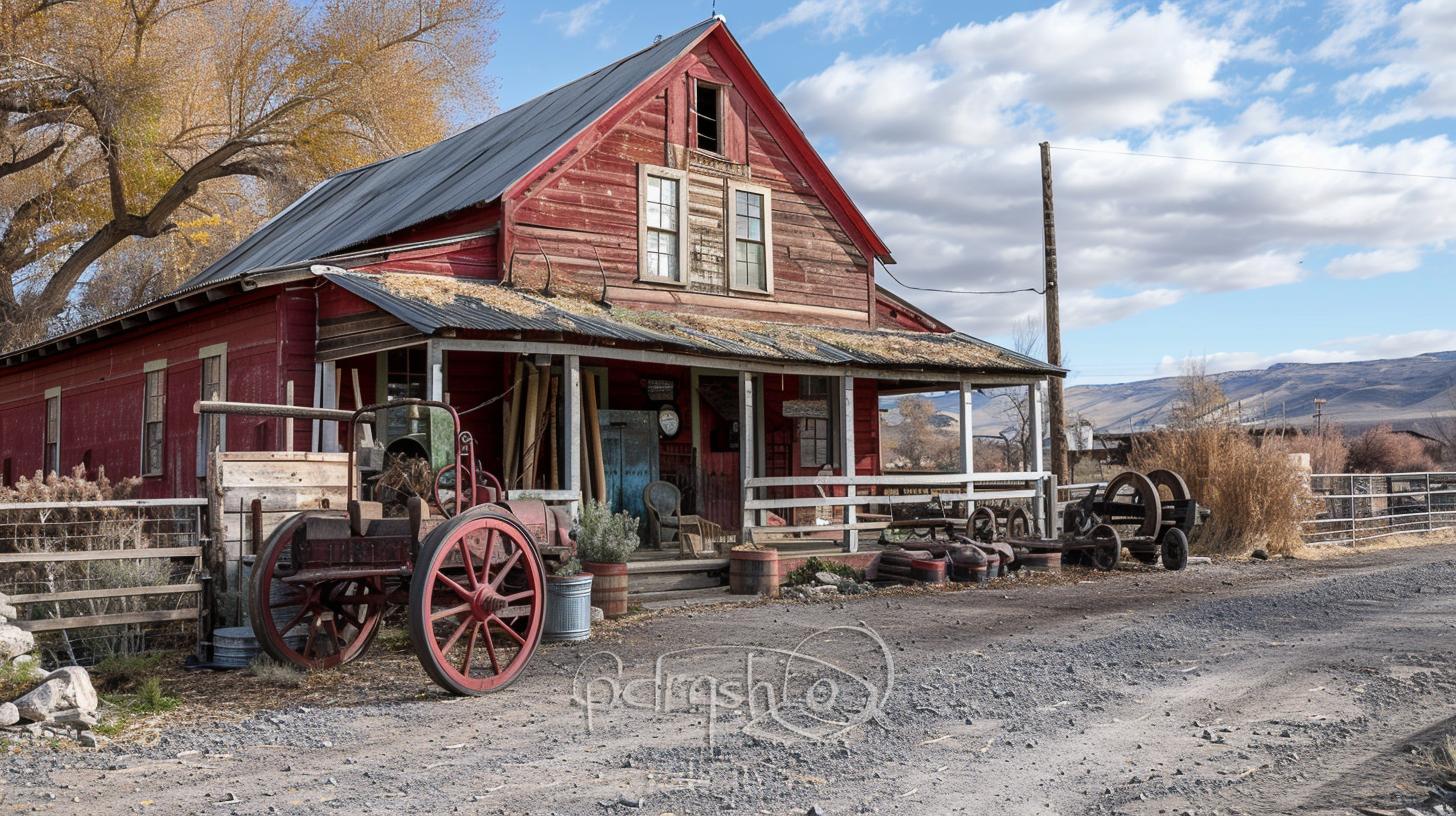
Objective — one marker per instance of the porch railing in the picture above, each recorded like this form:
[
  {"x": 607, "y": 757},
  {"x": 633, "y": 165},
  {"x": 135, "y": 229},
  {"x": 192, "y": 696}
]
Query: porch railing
[
  {"x": 885, "y": 492},
  {"x": 1355, "y": 507}
]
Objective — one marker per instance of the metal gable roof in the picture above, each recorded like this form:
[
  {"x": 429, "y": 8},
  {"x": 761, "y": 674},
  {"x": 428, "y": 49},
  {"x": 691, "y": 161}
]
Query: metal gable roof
[
  {"x": 432, "y": 303},
  {"x": 471, "y": 167}
]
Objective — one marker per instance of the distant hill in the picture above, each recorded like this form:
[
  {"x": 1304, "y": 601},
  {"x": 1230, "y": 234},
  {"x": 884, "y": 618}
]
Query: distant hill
[{"x": 1405, "y": 392}]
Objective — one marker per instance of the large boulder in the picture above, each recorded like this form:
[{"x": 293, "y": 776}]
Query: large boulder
[
  {"x": 9, "y": 714},
  {"x": 15, "y": 641},
  {"x": 62, "y": 689}
]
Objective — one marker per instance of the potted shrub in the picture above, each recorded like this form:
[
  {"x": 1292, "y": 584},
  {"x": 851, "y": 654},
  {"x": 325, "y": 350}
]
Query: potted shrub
[
  {"x": 568, "y": 603},
  {"x": 603, "y": 541}
]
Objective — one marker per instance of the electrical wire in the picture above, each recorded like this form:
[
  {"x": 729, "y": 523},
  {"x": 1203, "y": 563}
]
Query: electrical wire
[
  {"x": 1254, "y": 163},
  {"x": 896, "y": 279}
]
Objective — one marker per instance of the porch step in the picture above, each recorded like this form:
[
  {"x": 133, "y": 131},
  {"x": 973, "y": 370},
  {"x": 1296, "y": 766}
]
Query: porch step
[
  {"x": 677, "y": 565},
  {"x": 675, "y": 575},
  {"x": 688, "y": 597}
]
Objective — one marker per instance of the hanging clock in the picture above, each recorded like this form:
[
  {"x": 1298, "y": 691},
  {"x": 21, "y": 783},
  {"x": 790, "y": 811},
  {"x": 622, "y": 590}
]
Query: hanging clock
[{"x": 668, "y": 421}]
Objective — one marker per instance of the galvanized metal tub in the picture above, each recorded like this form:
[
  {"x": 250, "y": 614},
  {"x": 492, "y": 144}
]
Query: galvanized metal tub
[
  {"x": 568, "y": 607},
  {"x": 234, "y": 646}
]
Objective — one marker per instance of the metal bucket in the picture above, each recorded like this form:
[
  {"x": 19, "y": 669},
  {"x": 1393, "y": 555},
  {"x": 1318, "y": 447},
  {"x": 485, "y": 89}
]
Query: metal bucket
[
  {"x": 568, "y": 608},
  {"x": 234, "y": 646}
]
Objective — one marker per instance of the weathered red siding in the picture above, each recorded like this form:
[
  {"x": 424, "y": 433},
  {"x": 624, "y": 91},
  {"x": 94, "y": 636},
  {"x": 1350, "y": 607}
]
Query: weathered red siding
[{"x": 102, "y": 387}]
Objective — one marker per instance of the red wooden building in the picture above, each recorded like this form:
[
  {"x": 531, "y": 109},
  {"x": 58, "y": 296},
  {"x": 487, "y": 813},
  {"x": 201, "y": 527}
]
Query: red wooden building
[{"x": 659, "y": 230}]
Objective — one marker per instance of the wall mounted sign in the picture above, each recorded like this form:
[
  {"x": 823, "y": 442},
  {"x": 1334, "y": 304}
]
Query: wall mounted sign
[
  {"x": 806, "y": 409},
  {"x": 660, "y": 390}
]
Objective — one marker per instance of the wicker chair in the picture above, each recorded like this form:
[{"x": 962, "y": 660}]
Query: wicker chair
[{"x": 664, "y": 513}]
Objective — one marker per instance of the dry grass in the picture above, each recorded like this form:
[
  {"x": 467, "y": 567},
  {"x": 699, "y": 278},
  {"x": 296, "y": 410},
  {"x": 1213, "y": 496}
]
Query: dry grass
[
  {"x": 1380, "y": 450},
  {"x": 1256, "y": 495},
  {"x": 1328, "y": 450},
  {"x": 1320, "y": 552}
]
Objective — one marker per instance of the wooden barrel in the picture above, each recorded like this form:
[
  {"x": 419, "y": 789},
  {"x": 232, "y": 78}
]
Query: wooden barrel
[
  {"x": 608, "y": 587},
  {"x": 753, "y": 572},
  {"x": 1042, "y": 561},
  {"x": 928, "y": 571}
]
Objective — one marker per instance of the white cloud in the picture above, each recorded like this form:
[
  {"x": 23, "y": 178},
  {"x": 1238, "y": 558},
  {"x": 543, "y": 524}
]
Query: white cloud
[
  {"x": 1277, "y": 81},
  {"x": 1358, "y": 21},
  {"x": 1348, "y": 349},
  {"x": 574, "y": 22},
  {"x": 938, "y": 145},
  {"x": 1376, "y": 346},
  {"x": 1374, "y": 263},
  {"x": 831, "y": 18},
  {"x": 1376, "y": 81}
]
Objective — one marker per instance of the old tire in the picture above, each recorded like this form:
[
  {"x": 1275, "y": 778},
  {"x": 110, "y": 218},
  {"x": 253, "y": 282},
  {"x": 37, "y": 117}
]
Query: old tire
[{"x": 1175, "y": 549}]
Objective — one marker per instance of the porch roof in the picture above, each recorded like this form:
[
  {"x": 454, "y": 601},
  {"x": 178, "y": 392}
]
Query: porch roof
[{"x": 432, "y": 304}]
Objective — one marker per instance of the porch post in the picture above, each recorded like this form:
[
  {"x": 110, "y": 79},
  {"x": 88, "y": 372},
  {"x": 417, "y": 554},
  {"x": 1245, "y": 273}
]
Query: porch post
[
  {"x": 434, "y": 371},
  {"x": 968, "y": 438},
  {"x": 1041, "y": 515},
  {"x": 571, "y": 418},
  {"x": 747, "y": 445},
  {"x": 846, "y": 412}
]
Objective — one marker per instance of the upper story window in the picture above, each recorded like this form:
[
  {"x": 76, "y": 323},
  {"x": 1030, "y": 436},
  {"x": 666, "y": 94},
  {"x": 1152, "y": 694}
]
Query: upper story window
[
  {"x": 51, "y": 454},
  {"x": 154, "y": 411},
  {"x": 707, "y": 103},
  {"x": 663, "y": 224},
  {"x": 750, "y": 250},
  {"x": 213, "y": 386}
]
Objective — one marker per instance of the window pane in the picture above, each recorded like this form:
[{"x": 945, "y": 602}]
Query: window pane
[{"x": 749, "y": 270}]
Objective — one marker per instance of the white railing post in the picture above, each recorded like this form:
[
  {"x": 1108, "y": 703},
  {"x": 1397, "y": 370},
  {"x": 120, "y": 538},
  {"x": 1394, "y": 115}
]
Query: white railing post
[
  {"x": 968, "y": 448},
  {"x": 747, "y": 446},
  {"x": 1354, "y": 512},
  {"x": 851, "y": 535},
  {"x": 434, "y": 371},
  {"x": 1043, "y": 510},
  {"x": 571, "y": 420}
]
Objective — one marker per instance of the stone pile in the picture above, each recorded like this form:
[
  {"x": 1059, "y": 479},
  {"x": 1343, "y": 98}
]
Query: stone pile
[
  {"x": 59, "y": 703},
  {"x": 826, "y": 583}
]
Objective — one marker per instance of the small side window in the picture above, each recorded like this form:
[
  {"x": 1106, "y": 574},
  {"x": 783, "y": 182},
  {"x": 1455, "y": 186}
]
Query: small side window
[
  {"x": 706, "y": 107},
  {"x": 154, "y": 409},
  {"x": 52, "y": 450}
]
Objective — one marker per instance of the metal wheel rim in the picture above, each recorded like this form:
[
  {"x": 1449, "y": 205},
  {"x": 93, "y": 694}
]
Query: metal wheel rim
[
  {"x": 477, "y": 603},
  {"x": 1145, "y": 493},
  {"x": 358, "y": 602},
  {"x": 1018, "y": 519},
  {"x": 982, "y": 525},
  {"x": 1177, "y": 487},
  {"x": 1105, "y": 555}
]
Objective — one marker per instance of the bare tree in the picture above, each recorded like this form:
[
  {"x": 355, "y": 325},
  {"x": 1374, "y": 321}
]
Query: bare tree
[{"x": 171, "y": 127}]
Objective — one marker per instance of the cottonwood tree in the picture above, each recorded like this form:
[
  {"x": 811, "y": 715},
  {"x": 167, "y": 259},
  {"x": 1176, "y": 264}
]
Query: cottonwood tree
[{"x": 140, "y": 138}]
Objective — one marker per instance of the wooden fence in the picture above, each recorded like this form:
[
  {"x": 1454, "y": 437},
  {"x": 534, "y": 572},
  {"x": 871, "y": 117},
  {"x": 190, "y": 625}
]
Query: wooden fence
[{"x": 125, "y": 566}]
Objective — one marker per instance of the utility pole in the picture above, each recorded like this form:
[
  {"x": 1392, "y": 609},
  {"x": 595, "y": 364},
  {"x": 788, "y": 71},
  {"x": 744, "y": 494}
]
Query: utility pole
[{"x": 1056, "y": 405}]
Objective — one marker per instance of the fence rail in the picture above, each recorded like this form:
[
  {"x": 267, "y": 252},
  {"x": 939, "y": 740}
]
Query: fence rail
[
  {"x": 1365, "y": 506},
  {"x": 101, "y": 578}
]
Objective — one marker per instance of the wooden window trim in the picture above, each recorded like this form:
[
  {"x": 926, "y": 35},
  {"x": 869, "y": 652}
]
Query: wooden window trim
[
  {"x": 45, "y": 437},
  {"x": 218, "y": 351},
  {"x": 681, "y": 177},
  {"x": 730, "y": 236},
  {"x": 148, "y": 369},
  {"x": 717, "y": 117}
]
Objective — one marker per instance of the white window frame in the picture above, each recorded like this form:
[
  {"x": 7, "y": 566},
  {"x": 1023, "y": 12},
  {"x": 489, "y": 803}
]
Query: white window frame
[
  {"x": 147, "y": 370},
  {"x": 45, "y": 436},
  {"x": 219, "y": 351},
  {"x": 730, "y": 236},
  {"x": 643, "y": 172}
]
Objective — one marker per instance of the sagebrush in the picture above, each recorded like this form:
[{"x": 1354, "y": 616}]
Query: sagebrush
[
  {"x": 1381, "y": 450},
  {"x": 603, "y": 536},
  {"x": 1257, "y": 496}
]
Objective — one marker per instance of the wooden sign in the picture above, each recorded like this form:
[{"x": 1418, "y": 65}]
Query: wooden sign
[
  {"x": 660, "y": 390},
  {"x": 806, "y": 409}
]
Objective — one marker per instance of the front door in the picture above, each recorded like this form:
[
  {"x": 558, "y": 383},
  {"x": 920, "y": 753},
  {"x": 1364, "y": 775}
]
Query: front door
[{"x": 629, "y": 455}]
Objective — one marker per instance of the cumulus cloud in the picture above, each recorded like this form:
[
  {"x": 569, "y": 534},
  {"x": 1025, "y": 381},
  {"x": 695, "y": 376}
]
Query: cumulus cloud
[
  {"x": 1374, "y": 263},
  {"x": 939, "y": 145},
  {"x": 831, "y": 18},
  {"x": 1348, "y": 349}
]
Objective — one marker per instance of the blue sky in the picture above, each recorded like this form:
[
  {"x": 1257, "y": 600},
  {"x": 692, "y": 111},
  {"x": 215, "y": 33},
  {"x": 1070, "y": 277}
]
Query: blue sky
[{"x": 930, "y": 113}]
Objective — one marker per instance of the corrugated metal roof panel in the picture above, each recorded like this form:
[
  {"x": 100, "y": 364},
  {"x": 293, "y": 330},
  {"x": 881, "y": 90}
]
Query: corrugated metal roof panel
[
  {"x": 471, "y": 167},
  {"x": 431, "y": 303}
]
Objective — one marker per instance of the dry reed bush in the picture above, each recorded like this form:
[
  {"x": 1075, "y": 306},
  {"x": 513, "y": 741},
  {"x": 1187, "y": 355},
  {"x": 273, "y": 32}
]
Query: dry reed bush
[
  {"x": 1381, "y": 450},
  {"x": 1328, "y": 450},
  {"x": 1257, "y": 496}
]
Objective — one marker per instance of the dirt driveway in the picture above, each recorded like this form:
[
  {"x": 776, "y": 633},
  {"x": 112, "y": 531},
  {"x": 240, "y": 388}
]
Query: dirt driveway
[{"x": 1258, "y": 688}]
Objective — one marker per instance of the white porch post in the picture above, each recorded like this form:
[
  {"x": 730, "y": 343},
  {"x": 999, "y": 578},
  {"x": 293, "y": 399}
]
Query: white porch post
[
  {"x": 1041, "y": 511},
  {"x": 434, "y": 371},
  {"x": 326, "y": 432},
  {"x": 846, "y": 413},
  {"x": 747, "y": 445},
  {"x": 571, "y": 418},
  {"x": 968, "y": 439}
]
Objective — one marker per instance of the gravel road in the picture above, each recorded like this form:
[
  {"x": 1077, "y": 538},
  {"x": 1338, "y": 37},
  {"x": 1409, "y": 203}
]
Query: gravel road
[{"x": 1287, "y": 686}]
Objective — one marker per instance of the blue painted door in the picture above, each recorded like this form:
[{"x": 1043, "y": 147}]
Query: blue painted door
[{"x": 629, "y": 454}]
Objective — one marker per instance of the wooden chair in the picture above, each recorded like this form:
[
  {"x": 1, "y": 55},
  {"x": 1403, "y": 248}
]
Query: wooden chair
[{"x": 664, "y": 513}]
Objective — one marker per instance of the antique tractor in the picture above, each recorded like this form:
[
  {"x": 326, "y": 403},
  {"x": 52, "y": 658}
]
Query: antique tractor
[{"x": 466, "y": 564}]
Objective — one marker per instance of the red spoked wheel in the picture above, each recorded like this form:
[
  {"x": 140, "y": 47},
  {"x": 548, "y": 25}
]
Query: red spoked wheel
[
  {"x": 316, "y": 624},
  {"x": 477, "y": 602}
]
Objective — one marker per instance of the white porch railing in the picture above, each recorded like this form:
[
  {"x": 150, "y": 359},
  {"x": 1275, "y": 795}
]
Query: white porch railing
[{"x": 889, "y": 490}]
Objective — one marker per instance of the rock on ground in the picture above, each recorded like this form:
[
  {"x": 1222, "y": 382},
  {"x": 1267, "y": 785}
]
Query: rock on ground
[
  {"x": 15, "y": 641},
  {"x": 64, "y": 688},
  {"x": 9, "y": 714}
]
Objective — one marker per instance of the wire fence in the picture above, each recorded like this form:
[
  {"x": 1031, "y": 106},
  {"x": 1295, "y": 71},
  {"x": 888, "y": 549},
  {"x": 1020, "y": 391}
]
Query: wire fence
[
  {"x": 1354, "y": 507},
  {"x": 98, "y": 579}
]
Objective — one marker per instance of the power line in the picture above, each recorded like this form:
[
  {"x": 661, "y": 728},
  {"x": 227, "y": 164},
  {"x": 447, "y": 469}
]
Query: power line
[
  {"x": 959, "y": 291},
  {"x": 1254, "y": 163}
]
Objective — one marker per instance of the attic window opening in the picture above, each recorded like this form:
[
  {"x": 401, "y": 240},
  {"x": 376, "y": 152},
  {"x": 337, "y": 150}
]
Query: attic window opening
[{"x": 706, "y": 106}]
